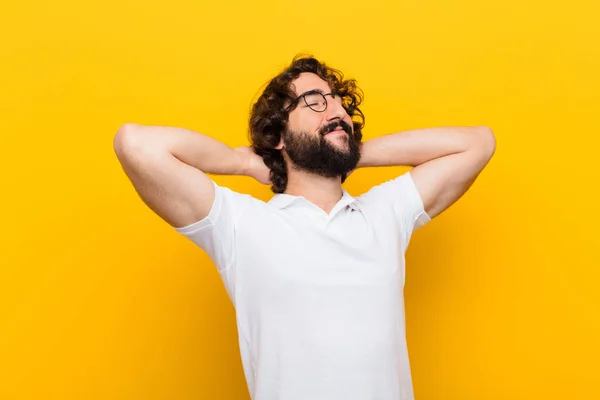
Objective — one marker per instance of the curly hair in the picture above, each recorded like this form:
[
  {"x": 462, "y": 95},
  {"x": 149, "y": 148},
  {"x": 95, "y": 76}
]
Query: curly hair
[{"x": 268, "y": 118}]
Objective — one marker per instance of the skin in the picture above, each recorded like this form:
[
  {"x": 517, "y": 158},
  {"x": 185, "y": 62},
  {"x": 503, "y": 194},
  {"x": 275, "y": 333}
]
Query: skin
[
  {"x": 323, "y": 191},
  {"x": 446, "y": 160},
  {"x": 302, "y": 118},
  {"x": 168, "y": 165}
]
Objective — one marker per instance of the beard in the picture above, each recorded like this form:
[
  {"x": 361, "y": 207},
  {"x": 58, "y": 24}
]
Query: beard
[{"x": 318, "y": 156}]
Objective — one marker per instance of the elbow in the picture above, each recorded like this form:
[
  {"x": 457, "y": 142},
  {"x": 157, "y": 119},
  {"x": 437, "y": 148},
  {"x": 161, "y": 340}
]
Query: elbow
[
  {"x": 126, "y": 138},
  {"x": 132, "y": 141},
  {"x": 486, "y": 142}
]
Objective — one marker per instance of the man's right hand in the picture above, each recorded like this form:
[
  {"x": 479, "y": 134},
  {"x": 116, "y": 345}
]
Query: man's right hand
[{"x": 254, "y": 165}]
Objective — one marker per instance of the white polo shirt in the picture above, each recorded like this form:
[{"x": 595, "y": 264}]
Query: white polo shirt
[{"x": 318, "y": 297}]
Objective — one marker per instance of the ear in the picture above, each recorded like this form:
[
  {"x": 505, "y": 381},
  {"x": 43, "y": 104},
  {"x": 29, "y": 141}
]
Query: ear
[{"x": 280, "y": 145}]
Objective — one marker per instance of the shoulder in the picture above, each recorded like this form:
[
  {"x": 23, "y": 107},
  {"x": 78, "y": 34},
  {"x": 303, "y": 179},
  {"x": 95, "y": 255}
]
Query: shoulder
[
  {"x": 400, "y": 196},
  {"x": 397, "y": 190},
  {"x": 228, "y": 207}
]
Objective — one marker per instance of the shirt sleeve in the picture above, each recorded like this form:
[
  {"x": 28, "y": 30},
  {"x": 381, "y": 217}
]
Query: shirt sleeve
[
  {"x": 402, "y": 196},
  {"x": 216, "y": 233}
]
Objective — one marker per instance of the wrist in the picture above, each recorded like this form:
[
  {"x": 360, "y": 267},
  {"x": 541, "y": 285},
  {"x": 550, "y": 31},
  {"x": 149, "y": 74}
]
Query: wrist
[
  {"x": 363, "y": 160},
  {"x": 242, "y": 162}
]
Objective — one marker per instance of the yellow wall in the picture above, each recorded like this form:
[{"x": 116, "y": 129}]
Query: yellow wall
[{"x": 99, "y": 299}]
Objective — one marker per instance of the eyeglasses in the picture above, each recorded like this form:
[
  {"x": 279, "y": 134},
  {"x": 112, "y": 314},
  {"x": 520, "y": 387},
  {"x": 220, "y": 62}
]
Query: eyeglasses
[{"x": 315, "y": 100}]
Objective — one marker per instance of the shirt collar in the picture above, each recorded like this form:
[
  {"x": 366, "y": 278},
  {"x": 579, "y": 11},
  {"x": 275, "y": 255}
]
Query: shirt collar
[{"x": 282, "y": 200}]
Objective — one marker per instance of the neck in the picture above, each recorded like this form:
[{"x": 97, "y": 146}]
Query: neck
[{"x": 322, "y": 192}]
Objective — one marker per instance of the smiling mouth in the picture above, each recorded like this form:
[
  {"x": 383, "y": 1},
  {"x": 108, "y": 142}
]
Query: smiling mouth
[{"x": 337, "y": 130}]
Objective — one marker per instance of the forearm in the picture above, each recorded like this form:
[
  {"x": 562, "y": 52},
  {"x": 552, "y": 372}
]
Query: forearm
[
  {"x": 195, "y": 149},
  {"x": 415, "y": 147}
]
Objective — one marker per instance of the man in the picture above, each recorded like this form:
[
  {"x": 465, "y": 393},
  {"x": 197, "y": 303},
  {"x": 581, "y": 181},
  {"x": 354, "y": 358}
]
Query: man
[{"x": 316, "y": 275}]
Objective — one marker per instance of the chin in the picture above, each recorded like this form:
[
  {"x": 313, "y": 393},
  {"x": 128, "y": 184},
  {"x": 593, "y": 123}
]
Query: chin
[{"x": 341, "y": 143}]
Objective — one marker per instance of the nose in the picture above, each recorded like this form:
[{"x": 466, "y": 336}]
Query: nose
[{"x": 335, "y": 111}]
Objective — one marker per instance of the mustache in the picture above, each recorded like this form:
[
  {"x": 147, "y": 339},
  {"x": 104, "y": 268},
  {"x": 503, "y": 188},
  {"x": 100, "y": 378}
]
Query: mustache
[{"x": 332, "y": 126}]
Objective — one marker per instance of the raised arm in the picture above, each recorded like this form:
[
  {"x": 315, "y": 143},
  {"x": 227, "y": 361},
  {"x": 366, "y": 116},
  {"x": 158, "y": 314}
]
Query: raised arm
[
  {"x": 446, "y": 160},
  {"x": 167, "y": 167}
]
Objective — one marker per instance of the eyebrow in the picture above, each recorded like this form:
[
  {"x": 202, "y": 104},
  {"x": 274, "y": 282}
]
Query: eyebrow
[{"x": 312, "y": 91}]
